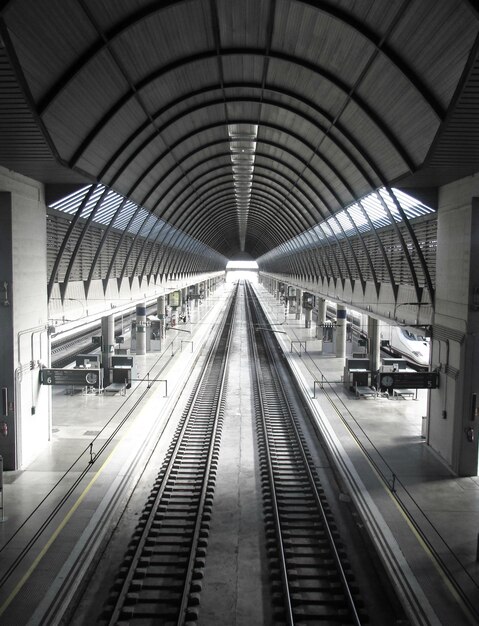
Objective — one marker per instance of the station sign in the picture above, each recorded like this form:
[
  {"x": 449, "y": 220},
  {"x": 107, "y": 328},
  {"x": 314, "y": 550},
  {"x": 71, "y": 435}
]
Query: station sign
[
  {"x": 174, "y": 298},
  {"x": 409, "y": 380},
  {"x": 83, "y": 376}
]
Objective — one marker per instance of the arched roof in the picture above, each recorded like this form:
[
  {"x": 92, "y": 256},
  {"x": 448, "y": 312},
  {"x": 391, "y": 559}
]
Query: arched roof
[{"x": 243, "y": 123}]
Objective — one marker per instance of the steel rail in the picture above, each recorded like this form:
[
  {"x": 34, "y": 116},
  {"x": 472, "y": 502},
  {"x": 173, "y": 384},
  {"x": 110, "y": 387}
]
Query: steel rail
[
  {"x": 299, "y": 443},
  {"x": 195, "y": 415}
]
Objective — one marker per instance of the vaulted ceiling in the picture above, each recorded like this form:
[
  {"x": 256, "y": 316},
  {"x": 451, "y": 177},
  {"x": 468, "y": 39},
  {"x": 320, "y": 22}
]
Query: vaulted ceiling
[{"x": 241, "y": 122}]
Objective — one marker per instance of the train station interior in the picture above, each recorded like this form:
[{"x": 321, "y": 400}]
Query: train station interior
[{"x": 159, "y": 160}]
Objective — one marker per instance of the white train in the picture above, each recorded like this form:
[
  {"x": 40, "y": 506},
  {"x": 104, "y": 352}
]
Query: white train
[
  {"x": 408, "y": 343},
  {"x": 404, "y": 341}
]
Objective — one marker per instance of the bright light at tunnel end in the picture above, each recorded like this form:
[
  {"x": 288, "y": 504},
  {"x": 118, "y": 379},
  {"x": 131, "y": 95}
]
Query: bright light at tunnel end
[{"x": 242, "y": 265}]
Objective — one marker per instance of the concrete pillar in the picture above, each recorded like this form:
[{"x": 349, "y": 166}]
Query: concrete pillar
[
  {"x": 184, "y": 293},
  {"x": 374, "y": 344},
  {"x": 453, "y": 415},
  {"x": 299, "y": 304},
  {"x": 160, "y": 312},
  {"x": 25, "y": 410},
  {"x": 320, "y": 320},
  {"x": 197, "y": 294},
  {"x": 107, "y": 345},
  {"x": 141, "y": 328},
  {"x": 287, "y": 302},
  {"x": 307, "y": 318},
  {"x": 341, "y": 331}
]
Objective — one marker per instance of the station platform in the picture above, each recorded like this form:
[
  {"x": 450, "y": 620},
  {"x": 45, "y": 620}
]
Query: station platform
[
  {"x": 59, "y": 509},
  {"x": 414, "y": 506},
  {"x": 410, "y": 503}
]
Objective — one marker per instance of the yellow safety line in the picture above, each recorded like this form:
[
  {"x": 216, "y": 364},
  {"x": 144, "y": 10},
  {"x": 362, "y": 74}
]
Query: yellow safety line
[
  {"x": 61, "y": 526},
  {"x": 57, "y": 531}
]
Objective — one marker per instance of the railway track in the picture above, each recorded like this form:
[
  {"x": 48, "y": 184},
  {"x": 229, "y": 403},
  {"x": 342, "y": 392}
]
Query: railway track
[
  {"x": 161, "y": 577},
  {"x": 162, "y": 571},
  {"x": 311, "y": 578}
]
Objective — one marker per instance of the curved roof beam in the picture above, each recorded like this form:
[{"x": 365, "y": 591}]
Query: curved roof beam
[
  {"x": 205, "y": 197},
  {"x": 66, "y": 238},
  {"x": 279, "y": 105},
  {"x": 329, "y": 8},
  {"x": 170, "y": 247},
  {"x": 329, "y": 76},
  {"x": 264, "y": 191},
  {"x": 277, "y": 212},
  {"x": 337, "y": 143},
  {"x": 327, "y": 240},
  {"x": 258, "y": 153},
  {"x": 221, "y": 200},
  {"x": 309, "y": 185},
  {"x": 207, "y": 187},
  {"x": 309, "y": 200},
  {"x": 228, "y": 165},
  {"x": 208, "y": 145},
  {"x": 258, "y": 216},
  {"x": 171, "y": 217},
  {"x": 64, "y": 284}
]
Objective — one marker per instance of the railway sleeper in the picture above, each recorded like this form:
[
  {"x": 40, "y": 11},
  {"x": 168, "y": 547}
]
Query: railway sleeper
[
  {"x": 168, "y": 611},
  {"x": 320, "y": 613},
  {"x": 172, "y": 507},
  {"x": 309, "y": 541}
]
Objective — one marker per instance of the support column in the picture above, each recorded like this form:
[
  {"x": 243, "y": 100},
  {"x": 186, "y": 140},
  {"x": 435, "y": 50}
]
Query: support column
[
  {"x": 141, "y": 329},
  {"x": 341, "y": 331},
  {"x": 374, "y": 344},
  {"x": 320, "y": 320},
  {"x": 298, "y": 304},
  {"x": 108, "y": 346},
  {"x": 25, "y": 417},
  {"x": 160, "y": 312},
  {"x": 453, "y": 415},
  {"x": 197, "y": 294},
  {"x": 307, "y": 318},
  {"x": 184, "y": 305}
]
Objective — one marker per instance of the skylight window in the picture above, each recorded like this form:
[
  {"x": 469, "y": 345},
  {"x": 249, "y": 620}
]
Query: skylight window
[{"x": 379, "y": 207}]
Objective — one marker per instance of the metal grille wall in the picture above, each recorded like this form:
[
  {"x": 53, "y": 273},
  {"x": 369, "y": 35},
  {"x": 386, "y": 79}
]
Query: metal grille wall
[
  {"x": 57, "y": 226},
  {"x": 327, "y": 258}
]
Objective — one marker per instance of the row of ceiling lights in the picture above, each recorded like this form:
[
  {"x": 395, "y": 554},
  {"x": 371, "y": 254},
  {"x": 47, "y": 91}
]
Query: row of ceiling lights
[{"x": 242, "y": 147}]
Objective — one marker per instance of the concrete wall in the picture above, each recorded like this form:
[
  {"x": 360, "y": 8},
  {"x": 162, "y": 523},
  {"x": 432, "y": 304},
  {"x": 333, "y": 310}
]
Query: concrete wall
[
  {"x": 27, "y": 349},
  {"x": 455, "y": 352}
]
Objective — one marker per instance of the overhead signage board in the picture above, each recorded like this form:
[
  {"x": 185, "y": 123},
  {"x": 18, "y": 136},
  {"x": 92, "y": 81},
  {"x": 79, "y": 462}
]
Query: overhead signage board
[
  {"x": 84, "y": 377},
  {"x": 409, "y": 380},
  {"x": 174, "y": 298}
]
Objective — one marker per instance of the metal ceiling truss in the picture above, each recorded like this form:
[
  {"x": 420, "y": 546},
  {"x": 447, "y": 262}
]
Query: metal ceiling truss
[
  {"x": 313, "y": 120},
  {"x": 254, "y": 174},
  {"x": 108, "y": 37}
]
